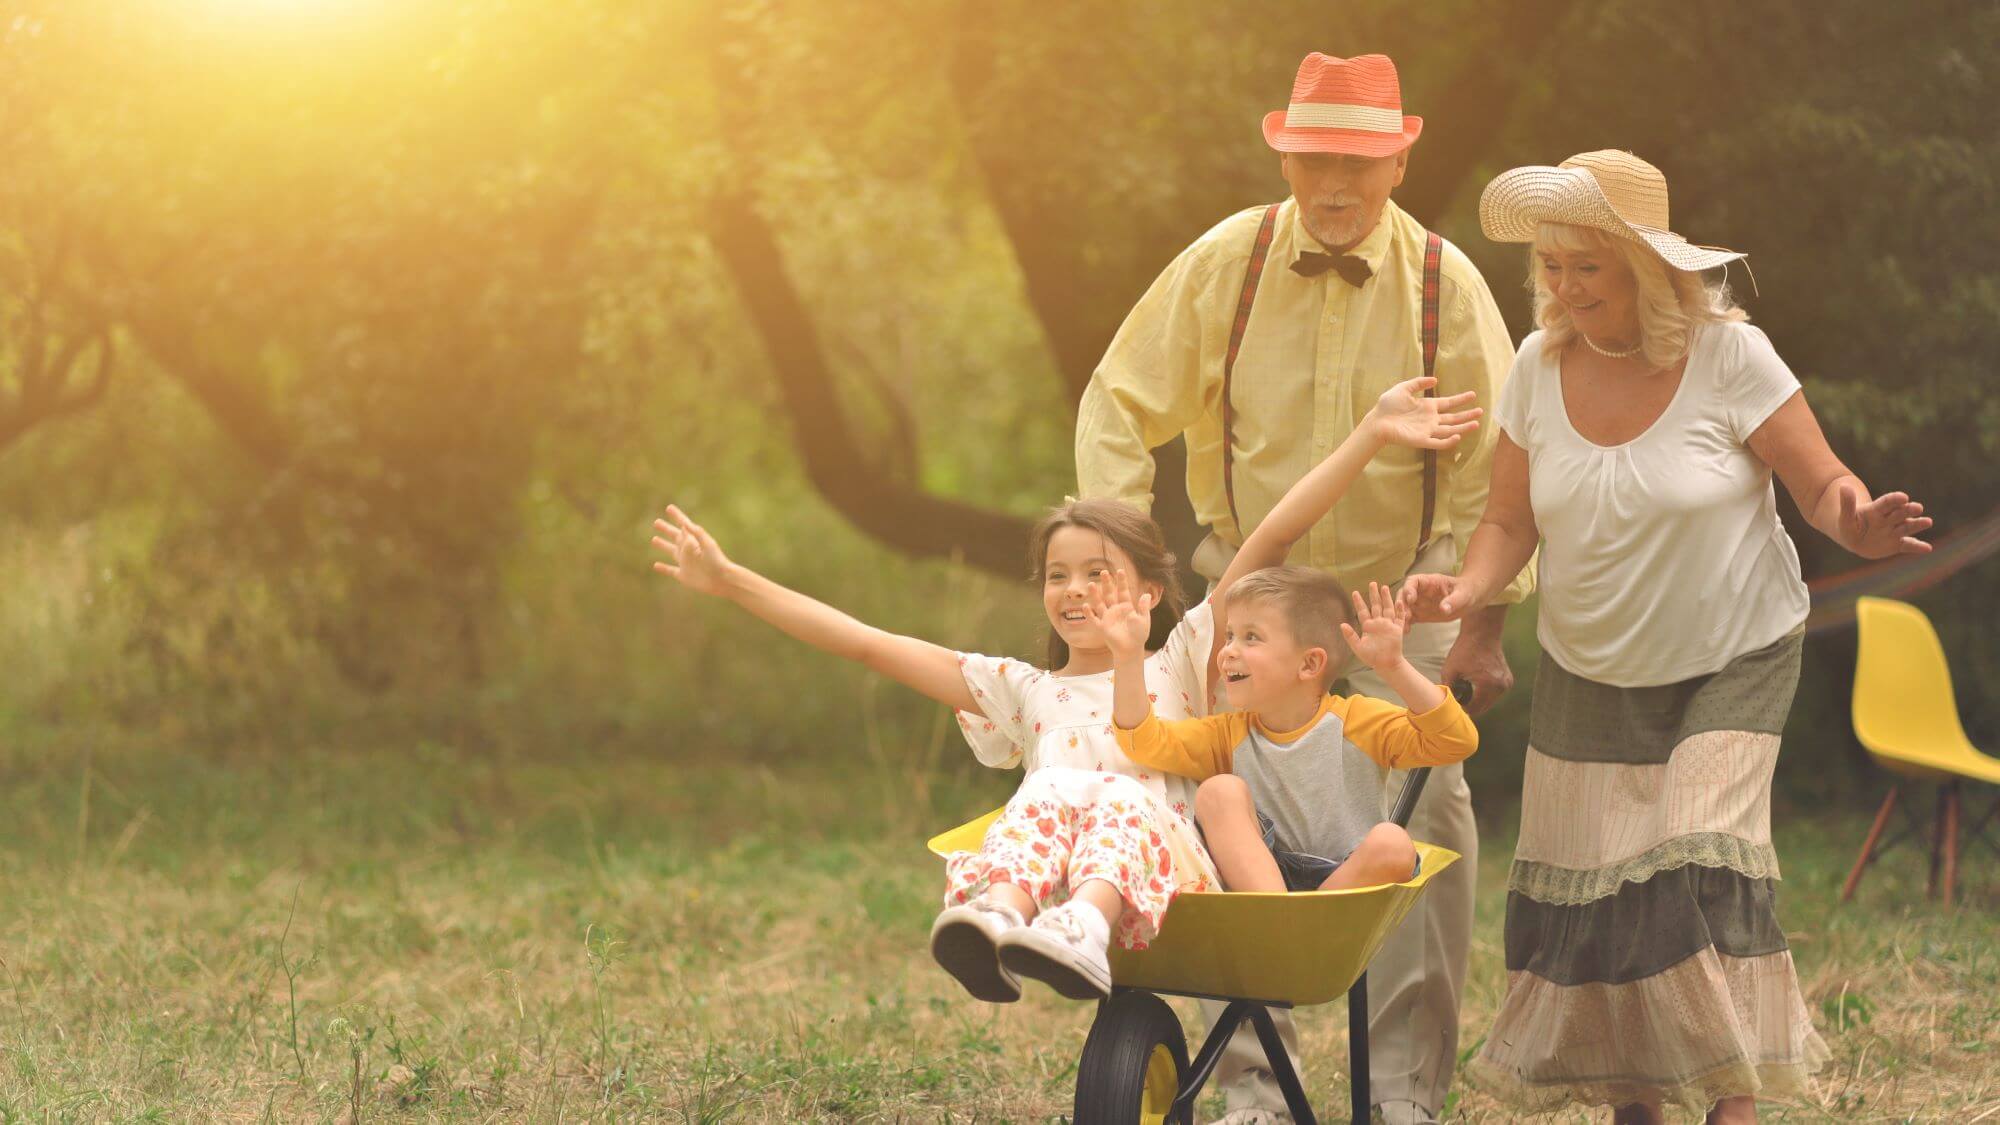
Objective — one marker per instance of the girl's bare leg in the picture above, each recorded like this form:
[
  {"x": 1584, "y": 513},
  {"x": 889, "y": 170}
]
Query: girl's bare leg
[
  {"x": 1228, "y": 819},
  {"x": 1007, "y": 894},
  {"x": 1638, "y": 1113},
  {"x": 1739, "y": 1110},
  {"x": 1385, "y": 855},
  {"x": 1104, "y": 897}
]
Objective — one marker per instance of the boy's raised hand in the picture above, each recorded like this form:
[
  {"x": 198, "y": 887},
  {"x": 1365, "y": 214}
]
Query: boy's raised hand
[
  {"x": 693, "y": 557},
  {"x": 1403, "y": 416},
  {"x": 1379, "y": 643},
  {"x": 1125, "y": 618}
]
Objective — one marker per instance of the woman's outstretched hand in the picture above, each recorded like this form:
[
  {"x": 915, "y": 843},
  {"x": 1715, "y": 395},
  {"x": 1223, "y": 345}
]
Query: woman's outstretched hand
[
  {"x": 1887, "y": 525},
  {"x": 1433, "y": 597},
  {"x": 693, "y": 557},
  {"x": 1403, "y": 416},
  {"x": 1125, "y": 618}
]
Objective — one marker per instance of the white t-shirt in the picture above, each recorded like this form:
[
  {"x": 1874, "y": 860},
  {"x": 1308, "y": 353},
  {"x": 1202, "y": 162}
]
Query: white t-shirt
[
  {"x": 1662, "y": 558},
  {"x": 1041, "y": 721}
]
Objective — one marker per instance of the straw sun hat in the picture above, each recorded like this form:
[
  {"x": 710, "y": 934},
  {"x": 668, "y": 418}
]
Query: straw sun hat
[{"x": 1613, "y": 191}]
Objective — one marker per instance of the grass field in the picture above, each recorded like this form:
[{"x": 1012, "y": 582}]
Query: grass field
[{"x": 440, "y": 933}]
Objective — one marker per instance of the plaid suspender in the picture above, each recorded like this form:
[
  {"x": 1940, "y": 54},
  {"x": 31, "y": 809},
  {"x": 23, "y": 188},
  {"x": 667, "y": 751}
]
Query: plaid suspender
[
  {"x": 1247, "y": 298},
  {"x": 1433, "y": 254}
]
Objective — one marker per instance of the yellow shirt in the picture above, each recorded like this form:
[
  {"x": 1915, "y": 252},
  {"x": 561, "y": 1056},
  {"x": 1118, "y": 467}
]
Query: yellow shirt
[
  {"x": 1393, "y": 736},
  {"x": 1315, "y": 356}
]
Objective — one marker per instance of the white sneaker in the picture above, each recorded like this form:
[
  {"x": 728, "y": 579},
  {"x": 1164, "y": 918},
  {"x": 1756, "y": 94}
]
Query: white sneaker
[
  {"x": 1062, "y": 949},
  {"x": 962, "y": 943}
]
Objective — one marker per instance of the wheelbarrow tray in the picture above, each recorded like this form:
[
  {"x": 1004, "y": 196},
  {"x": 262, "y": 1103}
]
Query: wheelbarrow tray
[{"x": 1302, "y": 947}]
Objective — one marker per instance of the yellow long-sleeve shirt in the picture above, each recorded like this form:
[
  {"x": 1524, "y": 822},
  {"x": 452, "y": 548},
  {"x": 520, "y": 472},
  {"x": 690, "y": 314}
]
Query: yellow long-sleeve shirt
[
  {"x": 1316, "y": 354},
  {"x": 1393, "y": 736},
  {"x": 1320, "y": 785}
]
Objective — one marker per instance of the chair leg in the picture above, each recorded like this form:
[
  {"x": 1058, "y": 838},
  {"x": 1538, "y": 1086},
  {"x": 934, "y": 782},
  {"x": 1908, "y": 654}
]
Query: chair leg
[
  {"x": 1937, "y": 843},
  {"x": 1978, "y": 829},
  {"x": 1950, "y": 841},
  {"x": 1868, "y": 848}
]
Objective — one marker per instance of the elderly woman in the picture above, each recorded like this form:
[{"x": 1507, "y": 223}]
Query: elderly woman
[{"x": 1640, "y": 430}]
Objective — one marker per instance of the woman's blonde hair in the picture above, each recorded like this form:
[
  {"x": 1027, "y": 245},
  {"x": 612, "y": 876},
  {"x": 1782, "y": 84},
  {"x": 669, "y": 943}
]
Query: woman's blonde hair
[{"x": 1671, "y": 302}]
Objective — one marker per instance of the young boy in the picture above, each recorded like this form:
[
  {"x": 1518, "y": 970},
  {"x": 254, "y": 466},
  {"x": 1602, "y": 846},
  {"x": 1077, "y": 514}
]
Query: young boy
[{"x": 1291, "y": 780}]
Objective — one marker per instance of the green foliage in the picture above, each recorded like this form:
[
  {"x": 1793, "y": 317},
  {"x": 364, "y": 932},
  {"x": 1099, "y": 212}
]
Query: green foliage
[
  {"x": 417, "y": 319},
  {"x": 1848, "y": 148}
]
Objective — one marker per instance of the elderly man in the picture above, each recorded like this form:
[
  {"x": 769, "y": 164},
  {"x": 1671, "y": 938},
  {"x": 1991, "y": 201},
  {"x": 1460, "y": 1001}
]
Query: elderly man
[{"x": 1264, "y": 342}]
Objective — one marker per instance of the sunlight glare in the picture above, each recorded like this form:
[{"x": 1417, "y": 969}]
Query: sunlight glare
[{"x": 281, "y": 10}]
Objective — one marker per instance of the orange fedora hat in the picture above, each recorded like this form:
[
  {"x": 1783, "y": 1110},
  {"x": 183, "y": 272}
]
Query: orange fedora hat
[{"x": 1352, "y": 106}]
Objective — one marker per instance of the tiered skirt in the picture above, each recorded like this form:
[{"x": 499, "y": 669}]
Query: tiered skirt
[{"x": 1644, "y": 957}]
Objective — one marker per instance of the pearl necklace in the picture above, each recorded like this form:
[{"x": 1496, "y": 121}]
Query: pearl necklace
[{"x": 1609, "y": 354}]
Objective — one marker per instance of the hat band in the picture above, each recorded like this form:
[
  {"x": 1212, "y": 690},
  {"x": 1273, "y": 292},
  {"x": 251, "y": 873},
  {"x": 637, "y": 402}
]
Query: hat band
[{"x": 1321, "y": 115}]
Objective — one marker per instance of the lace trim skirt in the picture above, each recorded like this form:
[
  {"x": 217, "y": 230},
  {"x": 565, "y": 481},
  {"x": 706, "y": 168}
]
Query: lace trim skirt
[{"x": 1644, "y": 955}]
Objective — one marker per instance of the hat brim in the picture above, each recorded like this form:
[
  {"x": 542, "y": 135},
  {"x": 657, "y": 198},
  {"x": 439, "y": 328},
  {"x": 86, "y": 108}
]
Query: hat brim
[
  {"x": 1350, "y": 142},
  {"x": 1520, "y": 200}
]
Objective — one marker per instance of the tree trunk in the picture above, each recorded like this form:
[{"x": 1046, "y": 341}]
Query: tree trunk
[{"x": 908, "y": 519}]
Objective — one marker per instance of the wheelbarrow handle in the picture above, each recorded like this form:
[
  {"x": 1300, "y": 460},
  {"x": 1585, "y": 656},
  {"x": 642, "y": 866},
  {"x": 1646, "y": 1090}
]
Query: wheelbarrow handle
[{"x": 1413, "y": 782}]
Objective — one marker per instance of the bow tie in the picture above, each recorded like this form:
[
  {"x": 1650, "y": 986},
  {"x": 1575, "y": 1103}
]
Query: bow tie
[{"x": 1352, "y": 269}]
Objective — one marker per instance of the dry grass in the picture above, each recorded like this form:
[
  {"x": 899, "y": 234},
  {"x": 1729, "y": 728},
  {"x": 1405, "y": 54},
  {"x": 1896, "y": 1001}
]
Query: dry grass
[{"x": 434, "y": 935}]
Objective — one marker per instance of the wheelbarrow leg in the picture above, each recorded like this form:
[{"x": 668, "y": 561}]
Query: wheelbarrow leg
[
  {"x": 1357, "y": 1047},
  {"x": 1281, "y": 1065},
  {"x": 1210, "y": 1054}
]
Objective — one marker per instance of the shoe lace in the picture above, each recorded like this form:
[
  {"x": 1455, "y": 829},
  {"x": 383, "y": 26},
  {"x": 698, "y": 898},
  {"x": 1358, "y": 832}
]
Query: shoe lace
[
  {"x": 988, "y": 906},
  {"x": 1063, "y": 922}
]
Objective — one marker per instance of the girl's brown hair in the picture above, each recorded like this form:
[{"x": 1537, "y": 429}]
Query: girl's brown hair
[{"x": 1131, "y": 532}]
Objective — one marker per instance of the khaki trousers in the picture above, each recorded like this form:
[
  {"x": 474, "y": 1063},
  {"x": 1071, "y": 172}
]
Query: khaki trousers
[{"x": 1417, "y": 980}]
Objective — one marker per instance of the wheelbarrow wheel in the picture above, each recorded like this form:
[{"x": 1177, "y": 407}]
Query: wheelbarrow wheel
[{"x": 1132, "y": 1062}]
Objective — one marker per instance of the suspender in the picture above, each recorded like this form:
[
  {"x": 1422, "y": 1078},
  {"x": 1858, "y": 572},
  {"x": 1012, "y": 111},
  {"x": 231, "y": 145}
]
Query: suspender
[
  {"x": 1248, "y": 297},
  {"x": 1433, "y": 253}
]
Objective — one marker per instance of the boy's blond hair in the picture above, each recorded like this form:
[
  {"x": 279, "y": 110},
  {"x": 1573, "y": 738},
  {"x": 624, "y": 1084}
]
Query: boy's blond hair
[{"x": 1312, "y": 602}]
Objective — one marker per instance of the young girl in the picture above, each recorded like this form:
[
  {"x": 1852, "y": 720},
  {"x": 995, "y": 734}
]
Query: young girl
[{"x": 1091, "y": 843}]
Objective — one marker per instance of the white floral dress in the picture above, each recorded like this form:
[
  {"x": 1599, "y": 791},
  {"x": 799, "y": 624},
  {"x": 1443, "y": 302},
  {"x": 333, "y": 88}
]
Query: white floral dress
[{"x": 1085, "y": 810}]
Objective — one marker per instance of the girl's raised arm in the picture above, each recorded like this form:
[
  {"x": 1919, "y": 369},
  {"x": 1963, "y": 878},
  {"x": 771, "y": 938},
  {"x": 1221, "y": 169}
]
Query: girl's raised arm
[
  {"x": 1402, "y": 416},
  {"x": 696, "y": 561}
]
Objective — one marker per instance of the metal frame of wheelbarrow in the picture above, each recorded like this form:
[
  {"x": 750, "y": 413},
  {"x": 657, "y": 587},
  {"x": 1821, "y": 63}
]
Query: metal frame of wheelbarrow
[{"x": 1258, "y": 1013}]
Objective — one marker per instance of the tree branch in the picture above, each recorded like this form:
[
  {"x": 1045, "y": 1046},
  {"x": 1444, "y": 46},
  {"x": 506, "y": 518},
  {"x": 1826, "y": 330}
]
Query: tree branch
[
  {"x": 893, "y": 512},
  {"x": 907, "y": 519},
  {"x": 45, "y": 390}
]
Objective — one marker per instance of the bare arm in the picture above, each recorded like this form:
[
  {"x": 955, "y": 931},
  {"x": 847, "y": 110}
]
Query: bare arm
[
  {"x": 1129, "y": 702},
  {"x": 1125, "y": 616},
  {"x": 1830, "y": 496},
  {"x": 697, "y": 562},
  {"x": 1501, "y": 545},
  {"x": 1402, "y": 416},
  {"x": 1475, "y": 353},
  {"x": 1376, "y": 636},
  {"x": 1303, "y": 505}
]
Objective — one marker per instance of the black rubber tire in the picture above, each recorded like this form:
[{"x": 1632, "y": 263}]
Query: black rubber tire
[{"x": 1111, "y": 1075}]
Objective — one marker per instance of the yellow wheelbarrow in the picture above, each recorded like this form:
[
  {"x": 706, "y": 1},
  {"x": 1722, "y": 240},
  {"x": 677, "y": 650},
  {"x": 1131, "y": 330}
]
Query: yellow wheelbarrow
[{"x": 1253, "y": 951}]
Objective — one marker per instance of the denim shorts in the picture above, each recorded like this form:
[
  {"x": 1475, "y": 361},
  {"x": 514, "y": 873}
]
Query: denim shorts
[{"x": 1304, "y": 871}]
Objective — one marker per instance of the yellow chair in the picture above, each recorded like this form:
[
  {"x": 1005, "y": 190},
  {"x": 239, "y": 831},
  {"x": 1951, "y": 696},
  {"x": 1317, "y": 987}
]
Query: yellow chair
[{"x": 1905, "y": 715}]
